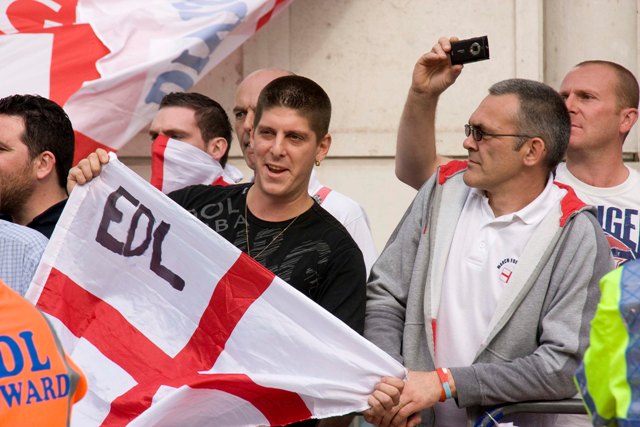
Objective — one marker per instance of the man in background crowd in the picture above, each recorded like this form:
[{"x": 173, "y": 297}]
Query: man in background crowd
[
  {"x": 36, "y": 152},
  {"x": 195, "y": 147},
  {"x": 602, "y": 99}
]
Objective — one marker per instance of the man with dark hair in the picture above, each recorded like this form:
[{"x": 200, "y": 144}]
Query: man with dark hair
[
  {"x": 487, "y": 286},
  {"x": 602, "y": 99},
  {"x": 36, "y": 152},
  {"x": 343, "y": 208},
  {"x": 195, "y": 119},
  {"x": 203, "y": 126},
  {"x": 273, "y": 219}
]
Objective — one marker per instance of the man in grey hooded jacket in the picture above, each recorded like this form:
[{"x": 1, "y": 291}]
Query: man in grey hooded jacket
[{"x": 487, "y": 286}]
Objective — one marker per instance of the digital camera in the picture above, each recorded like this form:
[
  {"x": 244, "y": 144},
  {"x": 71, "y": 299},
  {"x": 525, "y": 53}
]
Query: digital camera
[{"x": 470, "y": 50}]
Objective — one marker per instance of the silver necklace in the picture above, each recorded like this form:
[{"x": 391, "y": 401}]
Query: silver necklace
[{"x": 246, "y": 231}]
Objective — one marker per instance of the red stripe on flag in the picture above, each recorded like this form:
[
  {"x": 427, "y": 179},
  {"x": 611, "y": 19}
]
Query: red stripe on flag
[
  {"x": 88, "y": 316},
  {"x": 267, "y": 16},
  {"x": 241, "y": 285},
  {"x": 158, "y": 149},
  {"x": 85, "y": 146},
  {"x": 98, "y": 322},
  {"x": 279, "y": 406}
]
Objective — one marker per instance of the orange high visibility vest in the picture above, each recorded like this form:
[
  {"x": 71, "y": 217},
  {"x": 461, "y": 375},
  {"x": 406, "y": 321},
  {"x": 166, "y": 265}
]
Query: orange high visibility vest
[{"x": 38, "y": 381}]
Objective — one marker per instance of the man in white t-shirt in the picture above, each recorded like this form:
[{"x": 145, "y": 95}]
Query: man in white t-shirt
[
  {"x": 344, "y": 209},
  {"x": 602, "y": 99},
  {"x": 486, "y": 288}
]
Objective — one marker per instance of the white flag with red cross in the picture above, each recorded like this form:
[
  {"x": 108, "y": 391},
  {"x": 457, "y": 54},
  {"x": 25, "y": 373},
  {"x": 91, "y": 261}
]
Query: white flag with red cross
[
  {"x": 173, "y": 325},
  {"x": 109, "y": 63}
]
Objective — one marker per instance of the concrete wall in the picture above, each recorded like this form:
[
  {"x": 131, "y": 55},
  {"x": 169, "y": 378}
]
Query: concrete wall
[{"x": 362, "y": 52}]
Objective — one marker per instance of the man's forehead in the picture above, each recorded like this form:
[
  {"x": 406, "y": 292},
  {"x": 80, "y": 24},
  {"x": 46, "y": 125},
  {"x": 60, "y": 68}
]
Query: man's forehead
[
  {"x": 12, "y": 117},
  {"x": 12, "y": 130},
  {"x": 179, "y": 112},
  {"x": 589, "y": 77},
  {"x": 14, "y": 122},
  {"x": 175, "y": 117},
  {"x": 249, "y": 91},
  {"x": 494, "y": 108},
  {"x": 284, "y": 117}
]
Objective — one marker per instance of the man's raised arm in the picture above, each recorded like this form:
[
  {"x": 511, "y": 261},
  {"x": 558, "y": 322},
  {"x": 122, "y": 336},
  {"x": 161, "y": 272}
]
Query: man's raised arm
[{"x": 416, "y": 157}]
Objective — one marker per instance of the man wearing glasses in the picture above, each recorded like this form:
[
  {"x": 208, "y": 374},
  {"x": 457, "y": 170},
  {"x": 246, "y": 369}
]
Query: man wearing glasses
[
  {"x": 602, "y": 99},
  {"x": 487, "y": 286}
]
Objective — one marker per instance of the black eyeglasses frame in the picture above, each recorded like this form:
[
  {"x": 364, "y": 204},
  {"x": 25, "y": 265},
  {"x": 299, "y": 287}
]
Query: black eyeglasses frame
[{"x": 479, "y": 134}]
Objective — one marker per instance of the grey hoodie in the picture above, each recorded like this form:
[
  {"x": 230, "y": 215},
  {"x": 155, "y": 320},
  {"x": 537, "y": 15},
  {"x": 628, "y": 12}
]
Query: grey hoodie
[{"x": 540, "y": 328}]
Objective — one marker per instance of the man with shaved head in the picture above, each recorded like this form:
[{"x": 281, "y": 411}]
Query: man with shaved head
[{"x": 245, "y": 107}]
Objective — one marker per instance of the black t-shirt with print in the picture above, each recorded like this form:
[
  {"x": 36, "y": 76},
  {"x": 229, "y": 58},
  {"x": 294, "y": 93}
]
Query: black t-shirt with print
[{"x": 315, "y": 254}]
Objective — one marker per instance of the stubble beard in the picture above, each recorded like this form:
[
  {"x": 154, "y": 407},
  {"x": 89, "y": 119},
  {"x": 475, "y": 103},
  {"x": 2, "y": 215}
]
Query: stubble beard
[{"x": 15, "y": 191}]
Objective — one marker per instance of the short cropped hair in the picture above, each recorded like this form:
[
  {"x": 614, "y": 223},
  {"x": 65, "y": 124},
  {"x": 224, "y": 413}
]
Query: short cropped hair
[
  {"x": 46, "y": 128},
  {"x": 542, "y": 113},
  {"x": 300, "y": 94},
  {"x": 627, "y": 91},
  {"x": 211, "y": 118}
]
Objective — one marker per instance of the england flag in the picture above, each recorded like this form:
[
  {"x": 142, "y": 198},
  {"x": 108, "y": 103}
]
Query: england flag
[{"x": 173, "y": 325}]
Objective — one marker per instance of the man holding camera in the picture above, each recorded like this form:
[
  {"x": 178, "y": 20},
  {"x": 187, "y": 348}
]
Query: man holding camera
[
  {"x": 487, "y": 286},
  {"x": 602, "y": 99}
]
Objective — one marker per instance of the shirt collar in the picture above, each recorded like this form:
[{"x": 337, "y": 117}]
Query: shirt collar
[{"x": 530, "y": 214}]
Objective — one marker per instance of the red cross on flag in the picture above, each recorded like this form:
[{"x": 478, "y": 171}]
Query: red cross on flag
[
  {"x": 109, "y": 63},
  {"x": 173, "y": 325}
]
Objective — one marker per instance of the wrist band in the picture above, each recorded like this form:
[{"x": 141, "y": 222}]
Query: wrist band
[{"x": 443, "y": 374}]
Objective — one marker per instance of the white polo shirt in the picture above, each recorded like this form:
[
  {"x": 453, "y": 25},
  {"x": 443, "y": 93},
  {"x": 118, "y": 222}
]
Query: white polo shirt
[{"x": 483, "y": 255}]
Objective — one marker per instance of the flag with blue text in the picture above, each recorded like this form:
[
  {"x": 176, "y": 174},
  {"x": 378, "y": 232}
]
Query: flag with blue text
[{"x": 109, "y": 63}]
